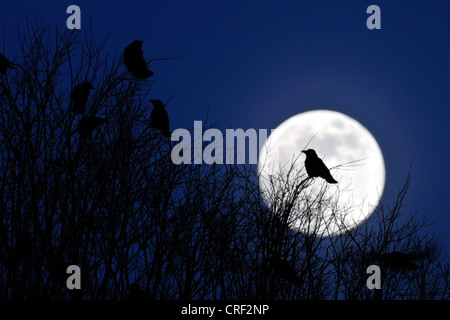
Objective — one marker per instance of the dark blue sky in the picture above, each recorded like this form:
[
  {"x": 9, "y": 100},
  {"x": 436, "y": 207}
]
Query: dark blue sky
[{"x": 257, "y": 63}]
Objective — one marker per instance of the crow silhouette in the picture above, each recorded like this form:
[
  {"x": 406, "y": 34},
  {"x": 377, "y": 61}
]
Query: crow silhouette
[
  {"x": 315, "y": 166},
  {"x": 5, "y": 64},
  {"x": 282, "y": 269},
  {"x": 159, "y": 118},
  {"x": 79, "y": 97},
  {"x": 134, "y": 60},
  {"x": 88, "y": 124}
]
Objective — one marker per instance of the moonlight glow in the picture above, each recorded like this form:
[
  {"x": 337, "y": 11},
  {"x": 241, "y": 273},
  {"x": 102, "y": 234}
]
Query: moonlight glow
[{"x": 340, "y": 142}]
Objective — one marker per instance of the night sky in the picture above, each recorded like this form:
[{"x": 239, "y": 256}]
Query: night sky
[{"x": 254, "y": 64}]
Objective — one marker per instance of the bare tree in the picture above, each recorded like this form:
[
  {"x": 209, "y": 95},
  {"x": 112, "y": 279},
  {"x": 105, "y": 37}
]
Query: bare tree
[{"x": 141, "y": 227}]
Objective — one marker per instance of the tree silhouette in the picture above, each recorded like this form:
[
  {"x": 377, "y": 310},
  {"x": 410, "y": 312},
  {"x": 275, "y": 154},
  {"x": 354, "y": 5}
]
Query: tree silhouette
[{"x": 140, "y": 227}]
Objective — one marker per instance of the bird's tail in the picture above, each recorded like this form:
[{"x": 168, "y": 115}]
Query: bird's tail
[{"x": 330, "y": 179}]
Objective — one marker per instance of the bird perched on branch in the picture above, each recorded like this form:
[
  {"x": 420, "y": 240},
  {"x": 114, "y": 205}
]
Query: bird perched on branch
[
  {"x": 5, "y": 64},
  {"x": 88, "y": 124},
  {"x": 79, "y": 97},
  {"x": 133, "y": 57},
  {"x": 159, "y": 118},
  {"x": 315, "y": 166}
]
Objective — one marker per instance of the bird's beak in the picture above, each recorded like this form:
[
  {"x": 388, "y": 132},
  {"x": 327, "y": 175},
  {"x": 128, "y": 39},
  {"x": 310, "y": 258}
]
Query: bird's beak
[{"x": 304, "y": 151}]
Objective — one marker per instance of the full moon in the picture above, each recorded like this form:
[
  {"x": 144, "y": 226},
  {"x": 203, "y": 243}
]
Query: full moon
[{"x": 347, "y": 148}]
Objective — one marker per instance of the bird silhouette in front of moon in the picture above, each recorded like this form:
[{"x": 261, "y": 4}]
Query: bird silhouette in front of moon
[{"x": 315, "y": 166}]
